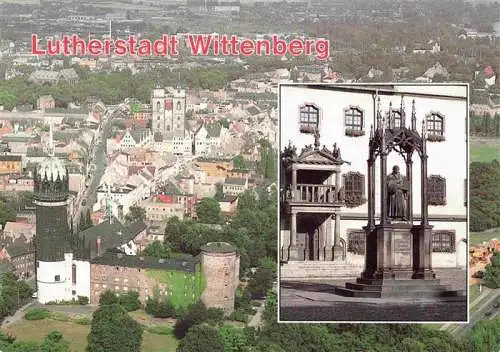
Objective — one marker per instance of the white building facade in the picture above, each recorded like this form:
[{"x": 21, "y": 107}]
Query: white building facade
[{"x": 344, "y": 115}]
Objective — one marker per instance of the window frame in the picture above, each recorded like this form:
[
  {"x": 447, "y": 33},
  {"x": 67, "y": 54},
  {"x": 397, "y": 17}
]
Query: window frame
[
  {"x": 306, "y": 110},
  {"x": 444, "y": 241},
  {"x": 397, "y": 115},
  {"x": 434, "y": 181},
  {"x": 353, "y": 129},
  {"x": 354, "y": 197},
  {"x": 356, "y": 236},
  {"x": 435, "y": 134}
]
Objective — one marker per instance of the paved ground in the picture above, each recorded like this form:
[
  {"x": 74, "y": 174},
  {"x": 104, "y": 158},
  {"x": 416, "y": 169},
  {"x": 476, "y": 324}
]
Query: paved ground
[
  {"x": 256, "y": 320},
  {"x": 17, "y": 316},
  {"x": 76, "y": 309},
  {"x": 306, "y": 301}
]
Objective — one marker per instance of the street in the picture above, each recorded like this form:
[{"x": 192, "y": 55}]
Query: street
[
  {"x": 99, "y": 159},
  {"x": 479, "y": 308}
]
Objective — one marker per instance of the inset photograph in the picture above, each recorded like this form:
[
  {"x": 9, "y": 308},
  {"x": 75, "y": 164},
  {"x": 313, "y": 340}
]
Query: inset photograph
[{"x": 373, "y": 209}]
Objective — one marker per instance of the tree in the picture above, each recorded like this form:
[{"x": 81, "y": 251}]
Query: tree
[
  {"x": 208, "y": 211},
  {"x": 135, "y": 213},
  {"x": 239, "y": 163},
  {"x": 261, "y": 282},
  {"x": 234, "y": 339},
  {"x": 157, "y": 250},
  {"x": 219, "y": 192},
  {"x": 484, "y": 188},
  {"x": 108, "y": 298},
  {"x": 201, "y": 338},
  {"x": 113, "y": 330},
  {"x": 130, "y": 301},
  {"x": 6, "y": 213},
  {"x": 491, "y": 277}
]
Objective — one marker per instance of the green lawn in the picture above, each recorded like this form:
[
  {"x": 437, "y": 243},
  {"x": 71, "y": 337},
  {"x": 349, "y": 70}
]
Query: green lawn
[
  {"x": 484, "y": 151},
  {"x": 479, "y": 237},
  {"x": 473, "y": 292},
  {"x": 26, "y": 330}
]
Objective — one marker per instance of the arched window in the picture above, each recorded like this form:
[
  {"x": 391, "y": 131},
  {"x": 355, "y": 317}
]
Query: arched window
[
  {"x": 436, "y": 190},
  {"x": 179, "y": 105},
  {"x": 356, "y": 241},
  {"x": 309, "y": 118},
  {"x": 353, "y": 120},
  {"x": 158, "y": 106},
  {"x": 435, "y": 127},
  {"x": 354, "y": 189},
  {"x": 443, "y": 241},
  {"x": 73, "y": 273}
]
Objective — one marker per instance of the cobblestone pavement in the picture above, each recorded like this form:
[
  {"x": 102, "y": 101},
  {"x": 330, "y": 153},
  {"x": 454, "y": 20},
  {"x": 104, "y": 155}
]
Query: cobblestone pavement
[{"x": 316, "y": 302}]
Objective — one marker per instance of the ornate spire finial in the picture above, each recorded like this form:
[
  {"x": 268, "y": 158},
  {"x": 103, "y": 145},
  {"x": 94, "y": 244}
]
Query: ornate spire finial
[
  {"x": 51, "y": 141},
  {"x": 413, "y": 116},
  {"x": 390, "y": 117},
  {"x": 424, "y": 136},
  {"x": 379, "y": 121},
  {"x": 316, "y": 139},
  {"x": 402, "y": 113}
]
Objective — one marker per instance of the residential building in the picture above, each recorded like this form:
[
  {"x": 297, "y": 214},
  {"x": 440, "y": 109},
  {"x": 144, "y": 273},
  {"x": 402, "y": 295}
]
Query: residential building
[
  {"x": 10, "y": 164},
  {"x": 45, "y": 102},
  {"x": 207, "y": 139},
  {"x": 234, "y": 186}
]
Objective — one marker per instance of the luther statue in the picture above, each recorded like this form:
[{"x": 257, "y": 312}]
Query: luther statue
[{"x": 397, "y": 189}]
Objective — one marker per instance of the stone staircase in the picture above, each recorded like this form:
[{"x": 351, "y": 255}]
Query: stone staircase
[
  {"x": 416, "y": 288},
  {"x": 319, "y": 270},
  {"x": 456, "y": 278},
  {"x": 449, "y": 282}
]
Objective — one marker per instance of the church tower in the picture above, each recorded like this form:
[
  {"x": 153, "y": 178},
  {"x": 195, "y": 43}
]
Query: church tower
[{"x": 51, "y": 192}]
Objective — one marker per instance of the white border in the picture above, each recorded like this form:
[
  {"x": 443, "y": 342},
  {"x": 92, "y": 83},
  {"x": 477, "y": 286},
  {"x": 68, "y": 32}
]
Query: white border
[{"x": 360, "y": 86}]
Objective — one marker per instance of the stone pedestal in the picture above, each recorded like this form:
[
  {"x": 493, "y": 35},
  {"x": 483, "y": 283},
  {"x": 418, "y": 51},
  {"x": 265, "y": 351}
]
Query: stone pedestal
[
  {"x": 422, "y": 255},
  {"x": 328, "y": 253},
  {"x": 338, "y": 253},
  {"x": 389, "y": 252},
  {"x": 398, "y": 264},
  {"x": 293, "y": 253}
]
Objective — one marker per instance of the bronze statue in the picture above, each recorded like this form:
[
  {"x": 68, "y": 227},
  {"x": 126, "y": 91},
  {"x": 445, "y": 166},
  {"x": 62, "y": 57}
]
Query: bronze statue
[{"x": 397, "y": 189}]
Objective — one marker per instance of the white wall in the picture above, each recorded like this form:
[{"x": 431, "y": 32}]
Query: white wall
[
  {"x": 50, "y": 290},
  {"x": 447, "y": 158},
  {"x": 82, "y": 286},
  {"x": 355, "y": 149}
]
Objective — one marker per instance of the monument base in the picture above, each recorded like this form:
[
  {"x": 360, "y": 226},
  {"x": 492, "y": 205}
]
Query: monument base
[
  {"x": 397, "y": 265},
  {"x": 393, "y": 288}
]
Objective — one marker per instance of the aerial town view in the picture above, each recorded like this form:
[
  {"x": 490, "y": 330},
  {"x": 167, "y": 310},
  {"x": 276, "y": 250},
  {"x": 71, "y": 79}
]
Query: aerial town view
[{"x": 150, "y": 199}]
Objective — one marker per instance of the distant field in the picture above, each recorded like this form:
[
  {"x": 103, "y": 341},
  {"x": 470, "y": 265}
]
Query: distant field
[
  {"x": 480, "y": 237},
  {"x": 484, "y": 150},
  {"x": 24, "y": 2},
  {"x": 76, "y": 334}
]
